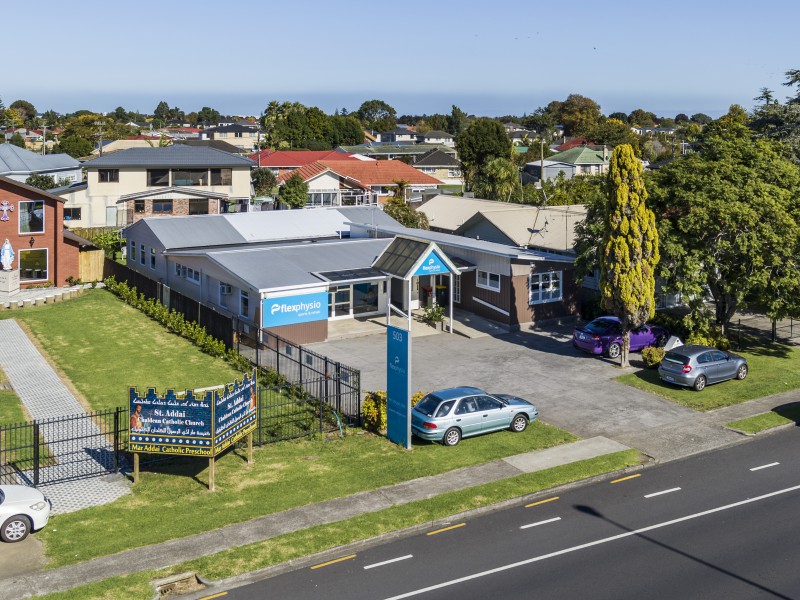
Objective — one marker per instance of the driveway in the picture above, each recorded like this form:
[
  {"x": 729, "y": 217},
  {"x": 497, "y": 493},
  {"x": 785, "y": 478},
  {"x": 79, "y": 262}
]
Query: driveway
[{"x": 572, "y": 390}]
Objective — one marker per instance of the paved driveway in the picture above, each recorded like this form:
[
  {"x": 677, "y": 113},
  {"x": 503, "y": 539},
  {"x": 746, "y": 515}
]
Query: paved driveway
[{"x": 572, "y": 390}]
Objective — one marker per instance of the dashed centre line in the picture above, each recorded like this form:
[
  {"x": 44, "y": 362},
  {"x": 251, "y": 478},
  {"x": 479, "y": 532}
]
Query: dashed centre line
[
  {"x": 540, "y": 523},
  {"x": 669, "y": 491},
  {"x": 388, "y": 562},
  {"x": 774, "y": 464}
]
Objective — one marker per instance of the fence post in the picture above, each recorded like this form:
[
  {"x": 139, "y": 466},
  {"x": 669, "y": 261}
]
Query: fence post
[
  {"x": 339, "y": 387},
  {"x": 739, "y": 335},
  {"x": 116, "y": 439},
  {"x": 258, "y": 345},
  {"x": 35, "y": 454},
  {"x": 300, "y": 362},
  {"x": 774, "y": 331}
]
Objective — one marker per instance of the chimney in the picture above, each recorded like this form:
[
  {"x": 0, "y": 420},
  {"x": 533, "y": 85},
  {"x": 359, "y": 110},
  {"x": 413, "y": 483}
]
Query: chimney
[{"x": 605, "y": 153}]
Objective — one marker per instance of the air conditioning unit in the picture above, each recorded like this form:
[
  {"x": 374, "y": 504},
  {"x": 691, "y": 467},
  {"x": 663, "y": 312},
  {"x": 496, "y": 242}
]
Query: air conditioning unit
[{"x": 224, "y": 289}]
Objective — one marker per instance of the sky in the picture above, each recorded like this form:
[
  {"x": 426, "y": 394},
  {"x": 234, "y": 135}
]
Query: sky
[{"x": 421, "y": 56}]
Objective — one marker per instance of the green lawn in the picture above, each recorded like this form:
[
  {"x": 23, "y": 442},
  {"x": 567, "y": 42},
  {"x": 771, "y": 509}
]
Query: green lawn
[
  {"x": 11, "y": 409},
  {"x": 316, "y": 539},
  {"x": 104, "y": 346},
  {"x": 782, "y": 415},
  {"x": 773, "y": 369}
]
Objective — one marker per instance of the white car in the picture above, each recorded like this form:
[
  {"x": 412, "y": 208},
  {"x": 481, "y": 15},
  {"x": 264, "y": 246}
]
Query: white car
[{"x": 22, "y": 509}]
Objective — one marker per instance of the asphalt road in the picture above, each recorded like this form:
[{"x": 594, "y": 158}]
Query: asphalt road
[{"x": 719, "y": 525}]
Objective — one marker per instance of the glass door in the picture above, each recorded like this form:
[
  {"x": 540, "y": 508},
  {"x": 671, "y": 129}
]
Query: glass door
[{"x": 339, "y": 301}]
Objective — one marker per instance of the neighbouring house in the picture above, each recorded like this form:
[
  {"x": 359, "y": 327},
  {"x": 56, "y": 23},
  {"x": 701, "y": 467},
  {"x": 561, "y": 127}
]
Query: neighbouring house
[
  {"x": 33, "y": 222},
  {"x": 398, "y": 136},
  {"x": 134, "y": 141},
  {"x": 522, "y": 137},
  {"x": 19, "y": 164},
  {"x": 435, "y": 136},
  {"x": 408, "y": 153},
  {"x": 581, "y": 160},
  {"x": 511, "y": 127},
  {"x": 216, "y": 144},
  {"x": 441, "y": 165},
  {"x": 356, "y": 182},
  {"x": 241, "y": 136},
  {"x": 653, "y": 130},
  {"x": 125, "y": 186},
  {"x": 284, "y": 161}
]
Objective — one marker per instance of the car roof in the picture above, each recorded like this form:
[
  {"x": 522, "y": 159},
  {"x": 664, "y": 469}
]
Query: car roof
[{"x": 456, "y": 392}]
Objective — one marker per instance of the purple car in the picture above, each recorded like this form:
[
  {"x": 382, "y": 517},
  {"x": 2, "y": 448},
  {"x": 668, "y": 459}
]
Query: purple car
[{"x": 604, "y": 336}]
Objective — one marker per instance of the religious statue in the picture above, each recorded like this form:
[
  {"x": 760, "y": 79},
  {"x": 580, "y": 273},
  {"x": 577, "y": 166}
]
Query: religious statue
[{"x": 7, "y": 256}]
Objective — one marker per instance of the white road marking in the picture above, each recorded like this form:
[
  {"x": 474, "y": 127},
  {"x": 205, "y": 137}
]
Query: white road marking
[
  {"x": 540, "y": 523},
  {"x": 669, "y": 491},
  {"x": 775, "y": 464},
  {"x": 613, "y": 538},
  {"x": 388, "y": 562}
]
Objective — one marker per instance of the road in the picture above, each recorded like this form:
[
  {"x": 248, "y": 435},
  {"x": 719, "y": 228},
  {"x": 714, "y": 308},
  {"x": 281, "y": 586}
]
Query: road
[{"x": 719, "y": 525}]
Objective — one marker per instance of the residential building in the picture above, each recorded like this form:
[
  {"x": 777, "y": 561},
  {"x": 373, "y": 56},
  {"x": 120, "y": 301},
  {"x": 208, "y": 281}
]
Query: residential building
[
  {"x": 406, "y": 152},
  {"x": 398, "y": 135},
  {"x": 441, "y": 165},
  {"x": 19, "y": 164},
  {"x": 581, "y": 160},
  {"x": 241, "y": 136},
  {"x": 284, "y": 161},
  {"x": 435, "y": 136}
]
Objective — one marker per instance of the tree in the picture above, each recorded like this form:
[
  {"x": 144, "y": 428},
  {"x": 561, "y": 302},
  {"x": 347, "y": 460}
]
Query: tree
[
  {"x": 729, "y": 226},
  {"x": 344, "y": 130},
  {"x": 24, "y": 109},
  {"x": 619, "y": 116},
  {"x": 578, "y": 114},
  {"x": 377, "y": 115},
  {"x": 456, "y": 121},
  {"x": 701, "y": 119},
  {"x": 397, "y": 208},
  {"x": 543, "y": 121},
  {"x": 294, "y": 192},
  {"x": 497, "y": 180},
  {"x": 765, "y": 96},
  {"x": 642, "y": 118},
  {"x": 208, "y": 115},
  {"x": 161, "y": 114},
  {"x": 73, "y": 145},
  {"x": 481, "y": 141},
  {"x": 629, "y": 251},
  {"x": 780, "y": 122},
  {"x": 17, "y": 140},
  {"x": 792, "y": 79},
  {"x": 681, "y": 118},
  {"x": 43, "y": 182},
  {"x": 613, "y": 133},
  {"x": 264, "y": 181}
]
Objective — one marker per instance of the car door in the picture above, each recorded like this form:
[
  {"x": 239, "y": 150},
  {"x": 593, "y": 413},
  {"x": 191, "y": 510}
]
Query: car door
[
  {"x": 640, "y": 338},
  {"x": 724, "y": 368},
  {"x": 494, "y": 413},
  {"x": 467, "y": 416}
]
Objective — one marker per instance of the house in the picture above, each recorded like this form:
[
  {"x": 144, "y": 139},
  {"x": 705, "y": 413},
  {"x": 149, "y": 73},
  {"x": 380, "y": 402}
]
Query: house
[
  {"x": 581, "y": 160},
  {"x": 653, "y": 130},
  {"x": 33, "y": 222},
  {"x": 125, "y": 186},
  {"x": 398, "y": 136},
  {"x": 284, "y": 161},
  {"x": 405, "y": 152},
  {"x": 241, "y": 136},
  {"x": 441, "y": 165},
  {"x": 216, "y": 144},
  {"x": 133, "y": 141},
  {"x": 511, "y": 127},
  {"x": 19, "y": 164},
  {"x": 434, "y": 136},
  {"x": 355, "y": 182},
  {"x": 522, "y": 137}
]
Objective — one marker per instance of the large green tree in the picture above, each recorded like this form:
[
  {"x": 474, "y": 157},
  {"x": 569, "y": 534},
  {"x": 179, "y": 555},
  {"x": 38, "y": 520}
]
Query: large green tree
[
  {"x": 778, "y": 121},
  {"x": 377, "y": 115},
  {"x": 73, "y": 145},
  {"x": 480, "y": 142},
  {"x": 578, "y": 114},
  {"x": 401, "y": 211},
  {"x": 629, "y": 251},
  {"x": 497, "y": 180},
  {"x": 294, "y": 192},
  {"x": 264, "y": 181},
  {"x": 24, "y": 109},
  {"x": 17, "y": 140},
  {"x": 730, "y": 224},
  {"x": 43, "y": 182}
]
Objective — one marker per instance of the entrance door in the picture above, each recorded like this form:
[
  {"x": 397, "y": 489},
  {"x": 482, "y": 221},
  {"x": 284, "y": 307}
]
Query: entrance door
[{"x": 339, "y": 301}]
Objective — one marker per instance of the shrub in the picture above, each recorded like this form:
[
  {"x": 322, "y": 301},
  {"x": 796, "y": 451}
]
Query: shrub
[
  {"x": 652, "y": 357},
  {"x": 714, "y": 339},
  {"x": 373, "y": 409}
]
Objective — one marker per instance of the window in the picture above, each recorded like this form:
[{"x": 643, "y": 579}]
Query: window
[
  {"x": 322, "y": 199},
  {"x": 33, "y": 265},
  {"x": 222, "y": 177},
  {"x": 454, "y": 172},
  {"x": 152, "y": 258},
  {"x": 108, "y": 175},
  {"x": 189, "y": 177},
  {"x": 244, "y": 304},
  {"x": 488, "y": 281},
  {"x": 177, "y": 269},
  {"x": 157, "y": 177},
  {"x": 429, "y": 170},
  {"x": 487, "y": 403},
  {"x": 192, "y": 275},
  {"x": 365, "y": 298},
  {"x": 132, "y": 252},
  {"x": 141, "y": 253},
  {"x": 198, "y": 206},
  {"x": 162, "y": 207},
  {"x": 457, "y": 289},
  {"x": 138, "y": 206},
  {"x": 31, "y": 216},
  {"x": 237, "y": 134},
  {"x": 72, "y": 214},
  {"x": 545, "y": 287}
]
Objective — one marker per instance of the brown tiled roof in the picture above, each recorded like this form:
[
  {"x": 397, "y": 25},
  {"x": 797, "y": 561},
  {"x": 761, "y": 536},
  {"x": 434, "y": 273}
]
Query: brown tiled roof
[
  {"x": 295, "y": 158},
  {"x": 366, "y": 173}
]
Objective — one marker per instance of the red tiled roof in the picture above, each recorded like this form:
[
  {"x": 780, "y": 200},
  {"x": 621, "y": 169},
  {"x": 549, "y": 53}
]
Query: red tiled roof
[
  {"x": 366, "y": 173},
  {"x": 292, "y": 159},
  {"x": 574, "y": 143}
]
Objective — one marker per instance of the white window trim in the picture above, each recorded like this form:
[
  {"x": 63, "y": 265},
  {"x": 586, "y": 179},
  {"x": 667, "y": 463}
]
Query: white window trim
[
  {"x": 457, "y": 289},
  {"x": 47, "y": 262},
  {"x": 488, "y": 285},
  {"x": 19, "y": 218},
  {"x": 532, "y": 301},
  {"x": 244, "y": 295},
  {"x": 153, "y": 259}
]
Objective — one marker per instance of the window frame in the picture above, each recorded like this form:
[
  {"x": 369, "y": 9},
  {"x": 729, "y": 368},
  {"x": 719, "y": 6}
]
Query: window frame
[
  {"x": 538, "y": 296},
  {"x": 21, "y": 213},
  {"x": 108, "y": 175},
  {"x": 487, "y": 285},
  {"x": 21, "y": 252},
  {"x": 157, "y": 207},
  {"x": 70, "y": 216},
  {"x": 153, "y": 259},
  {"x": 244, "y": 303}
]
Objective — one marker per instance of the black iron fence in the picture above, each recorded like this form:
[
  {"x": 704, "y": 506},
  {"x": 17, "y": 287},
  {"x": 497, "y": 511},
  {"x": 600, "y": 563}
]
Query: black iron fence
[{"x": 760, "y": 330}]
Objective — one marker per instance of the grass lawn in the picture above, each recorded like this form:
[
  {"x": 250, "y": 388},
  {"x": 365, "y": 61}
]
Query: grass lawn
[
  {"x": 104, "y": 346},
  {"x": 781, "y": 415},
  {"x": 774, "y": 368},
  {"x": 316, "y": 539},
  {"x": 11, "y": 409}
]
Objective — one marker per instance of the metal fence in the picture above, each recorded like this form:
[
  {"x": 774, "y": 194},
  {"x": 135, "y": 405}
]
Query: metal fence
[
  {"x": 63, "y": 448},
  {"x": 757, "y": 330},
  {"x": 335, "y": 385}
]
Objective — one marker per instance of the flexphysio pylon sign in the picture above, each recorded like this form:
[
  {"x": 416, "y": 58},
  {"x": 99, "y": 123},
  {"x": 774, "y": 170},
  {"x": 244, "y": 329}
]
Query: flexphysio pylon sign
[
  {"x": 192, "y": 424},
  {"x": 292, "y": 310}
]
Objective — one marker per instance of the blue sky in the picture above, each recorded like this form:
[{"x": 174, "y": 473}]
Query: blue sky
[{"x": 421, "y": 56}]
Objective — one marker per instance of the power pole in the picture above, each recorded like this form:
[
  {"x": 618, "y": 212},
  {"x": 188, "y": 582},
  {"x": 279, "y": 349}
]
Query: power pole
[{"x": 44, "y": 139}]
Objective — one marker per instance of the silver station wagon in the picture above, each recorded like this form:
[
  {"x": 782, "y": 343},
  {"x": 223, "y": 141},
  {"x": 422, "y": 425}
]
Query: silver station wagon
[
  {"x": 448, "y": 415},
  {"x": 696, "y": 366}
]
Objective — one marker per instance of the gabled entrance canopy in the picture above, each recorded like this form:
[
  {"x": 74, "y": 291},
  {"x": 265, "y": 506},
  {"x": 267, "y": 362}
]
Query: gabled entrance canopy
[{"x": 405, "y": 258}]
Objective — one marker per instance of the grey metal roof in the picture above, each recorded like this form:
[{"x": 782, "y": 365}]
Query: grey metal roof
[
  {"x": 216, "y": 144},
  {"x": 437, "y": 158},
  {"x": 169, "y": 156},
  {"x": 435, "y": 133},
  {"x": 279, "y": 267},
  {"x": 65, "y": 189},
  {"x": 235, "y": 127},
  {"x": 19, "y": 160}
]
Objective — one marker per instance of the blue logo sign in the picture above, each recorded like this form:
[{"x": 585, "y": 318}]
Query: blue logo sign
[
  {"x": 398, "y": 386},
  {"x": 431, "y": 265},
  {"x": 291, "y": 310}
]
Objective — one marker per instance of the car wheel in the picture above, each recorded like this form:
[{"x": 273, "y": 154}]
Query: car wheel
[
  {"x": 15, "y": 529},
  {"x": 699, "y": 383},
  {"x": 741, "y": 372},
  {"x": 661, "y": 341},
  {"x": 519, "y": 424},
  {"x": 451, "y": 437},
  {"x": 614, "y": 350}
]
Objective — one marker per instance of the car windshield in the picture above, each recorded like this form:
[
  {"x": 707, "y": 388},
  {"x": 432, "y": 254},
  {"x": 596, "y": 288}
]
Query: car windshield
[
  {"x": 428, "y": 405},
  {"x": 678, "y": 359},
  {"x": 600, "y": 325}
]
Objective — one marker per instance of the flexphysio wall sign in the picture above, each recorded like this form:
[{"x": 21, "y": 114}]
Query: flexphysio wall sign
[
  {"x": 398, "y": 386},
  {"x": 192, "y": 424},
  {"x": 431, "y": 265},
  {"x": 291, "y": 310}
]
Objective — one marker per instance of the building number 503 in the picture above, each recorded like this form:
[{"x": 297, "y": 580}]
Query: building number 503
[{"x": 397, "y": 336}]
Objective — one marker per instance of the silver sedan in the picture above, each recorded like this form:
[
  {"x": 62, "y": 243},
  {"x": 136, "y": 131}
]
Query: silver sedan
[{"x": 696, "y": 366}]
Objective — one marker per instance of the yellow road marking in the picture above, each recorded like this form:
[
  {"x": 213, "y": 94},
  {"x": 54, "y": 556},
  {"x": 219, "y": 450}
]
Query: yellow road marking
[
  {"x": 334, "y": 561},
  {"x": 214, "y": 596},
  {"x": 626, "y": 478},
  {"x": 445, "y": 529},
  {"x": 542, "y": 502}
]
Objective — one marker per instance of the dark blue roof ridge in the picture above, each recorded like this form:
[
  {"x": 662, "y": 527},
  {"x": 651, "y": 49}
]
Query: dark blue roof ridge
[{"x": 170, "y": 156}]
